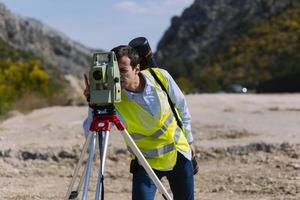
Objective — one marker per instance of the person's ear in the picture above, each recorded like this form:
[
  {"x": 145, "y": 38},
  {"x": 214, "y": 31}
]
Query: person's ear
[{"x": 137, "y": 68}]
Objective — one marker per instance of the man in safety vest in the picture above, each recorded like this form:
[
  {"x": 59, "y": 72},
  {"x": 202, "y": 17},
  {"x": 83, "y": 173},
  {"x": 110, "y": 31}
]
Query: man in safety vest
[{"x": 147, "y": 115}]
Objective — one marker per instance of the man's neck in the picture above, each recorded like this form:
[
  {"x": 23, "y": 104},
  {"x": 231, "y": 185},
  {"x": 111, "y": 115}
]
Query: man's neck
[{"x": 138, "y": 85}]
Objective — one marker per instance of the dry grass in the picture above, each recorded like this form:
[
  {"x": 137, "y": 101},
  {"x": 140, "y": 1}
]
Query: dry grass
[{"x": 29, "y": 101}]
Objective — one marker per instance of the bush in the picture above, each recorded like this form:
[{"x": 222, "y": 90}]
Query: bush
[{"x": 21, "y": 78}]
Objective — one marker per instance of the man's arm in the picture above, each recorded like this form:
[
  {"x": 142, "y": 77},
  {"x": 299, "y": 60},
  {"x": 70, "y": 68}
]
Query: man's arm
[
  {"x": 178, "y": 99},
  {"x": 87, "y": 122}
]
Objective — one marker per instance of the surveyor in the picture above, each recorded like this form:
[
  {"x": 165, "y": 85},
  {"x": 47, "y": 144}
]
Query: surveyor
[{"x": 146, "y": 114}]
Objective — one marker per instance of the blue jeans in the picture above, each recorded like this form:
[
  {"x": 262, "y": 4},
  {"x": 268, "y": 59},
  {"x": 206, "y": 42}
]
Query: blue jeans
[{"x": 181, "y": 180}]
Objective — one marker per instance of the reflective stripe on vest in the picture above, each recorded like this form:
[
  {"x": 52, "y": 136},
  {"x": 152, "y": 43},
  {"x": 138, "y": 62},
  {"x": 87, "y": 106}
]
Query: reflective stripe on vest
[
  {"x": 177, "y": 134},
  {"x": 156, "y": 152},
  {"x": 137, "y": 136}
]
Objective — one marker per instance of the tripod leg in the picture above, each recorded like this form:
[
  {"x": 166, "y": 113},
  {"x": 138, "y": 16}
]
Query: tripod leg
[
  {"x": 89, "y": 166},
  {"x": 103, "y": 142},
  {"x": 145, "y": 164},
  {"x": 81, "y": 179},
  {"x": 79, "y": 164}
]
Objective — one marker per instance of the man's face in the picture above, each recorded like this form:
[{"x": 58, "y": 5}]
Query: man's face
[{"x": 128, "y": 75}]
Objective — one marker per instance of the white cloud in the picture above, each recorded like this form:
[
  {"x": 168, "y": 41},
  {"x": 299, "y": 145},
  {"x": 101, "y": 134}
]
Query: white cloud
[
  {"x": 130, "y": 6},
  {"x": 153, "y": 7}
]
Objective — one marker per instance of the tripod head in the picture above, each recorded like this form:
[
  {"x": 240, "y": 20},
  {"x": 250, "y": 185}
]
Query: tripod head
[{"x": 104, "y": 78}]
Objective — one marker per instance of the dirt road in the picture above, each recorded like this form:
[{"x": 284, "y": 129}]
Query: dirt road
[{"x": 248, "y": 147}]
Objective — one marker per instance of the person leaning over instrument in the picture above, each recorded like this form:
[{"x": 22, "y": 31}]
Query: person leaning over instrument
[{"x": 147, "y": 115}]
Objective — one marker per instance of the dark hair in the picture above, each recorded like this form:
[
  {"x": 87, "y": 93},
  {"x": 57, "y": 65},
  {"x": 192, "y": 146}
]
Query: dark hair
[{"x": 131, "y": 53}]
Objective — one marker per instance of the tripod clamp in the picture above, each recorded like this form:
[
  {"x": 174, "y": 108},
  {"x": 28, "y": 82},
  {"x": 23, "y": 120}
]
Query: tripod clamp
[
  {"x": 102, "y": 122},
  {"x": 100, "y": 127}
]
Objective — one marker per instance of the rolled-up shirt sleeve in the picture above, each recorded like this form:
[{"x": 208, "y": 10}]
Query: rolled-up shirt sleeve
[{"x": 178, "y": 99}]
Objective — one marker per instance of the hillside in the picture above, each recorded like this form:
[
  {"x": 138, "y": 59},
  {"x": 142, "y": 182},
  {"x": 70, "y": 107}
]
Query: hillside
[
  {"x": 217, "y": 43},
  {"x": 38, "y": 65},
  {"x": 44, "y": 42},
  {"x": 27, "y": 82}
]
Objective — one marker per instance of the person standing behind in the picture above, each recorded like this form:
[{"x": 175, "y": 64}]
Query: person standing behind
[{"x": 147, "y": 115}]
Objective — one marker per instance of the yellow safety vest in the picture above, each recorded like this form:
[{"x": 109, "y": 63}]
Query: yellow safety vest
[{"x": 157, "y": 138}]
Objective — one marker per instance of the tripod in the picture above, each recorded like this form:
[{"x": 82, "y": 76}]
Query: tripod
[{"x": 100, "y": 127}]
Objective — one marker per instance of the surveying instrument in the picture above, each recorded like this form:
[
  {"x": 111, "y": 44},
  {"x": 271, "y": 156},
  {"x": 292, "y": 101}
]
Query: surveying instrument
[{"x": 105, "y": 90}]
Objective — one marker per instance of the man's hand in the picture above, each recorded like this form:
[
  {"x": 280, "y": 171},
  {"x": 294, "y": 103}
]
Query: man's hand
[
  {"x": 194, "y": 161},
  {"x": 192, "y": 149},
  {"x": 86, "y": 91}
]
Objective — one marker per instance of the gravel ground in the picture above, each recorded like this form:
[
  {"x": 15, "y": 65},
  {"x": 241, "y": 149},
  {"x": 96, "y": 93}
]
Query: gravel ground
[{"x": 248, "y": 147}]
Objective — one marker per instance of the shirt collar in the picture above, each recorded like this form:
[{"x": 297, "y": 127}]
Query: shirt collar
[{"x": 147, "y": 89}]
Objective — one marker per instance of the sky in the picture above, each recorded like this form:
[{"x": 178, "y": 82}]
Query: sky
[{"x": 103, "y": 24}]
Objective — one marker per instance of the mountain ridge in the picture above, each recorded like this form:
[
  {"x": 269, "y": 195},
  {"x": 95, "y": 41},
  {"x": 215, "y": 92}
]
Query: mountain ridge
[
  {"x": 53, "y": 46},
  {"x": 226, "y": 46},
  {"x": 207, "y": 20}
]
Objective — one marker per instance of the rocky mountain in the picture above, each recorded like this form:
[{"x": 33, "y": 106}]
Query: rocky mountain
[
  {"x": 39, "y": 66},
  {"x": 204, "y": 25},
  {"x": 215, "y": 43},
  {"x": 44, "y": 42}
]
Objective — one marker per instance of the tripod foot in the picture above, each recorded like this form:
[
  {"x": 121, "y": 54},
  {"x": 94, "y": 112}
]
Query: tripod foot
[{"x": 73, "y": 195}]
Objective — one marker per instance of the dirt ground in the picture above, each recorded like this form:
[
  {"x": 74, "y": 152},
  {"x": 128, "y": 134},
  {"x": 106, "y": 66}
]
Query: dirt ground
[{"x": 248, "y": 147}]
